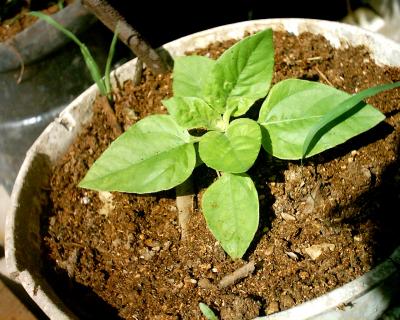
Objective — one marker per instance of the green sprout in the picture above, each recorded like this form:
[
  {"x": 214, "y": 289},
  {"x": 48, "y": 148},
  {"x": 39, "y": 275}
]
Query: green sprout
[
  {"x": 103, "y": 83},
  {"x": 207, "y": 312},
  {"x": 60, "y": 4},
  {"x": 297, "y": 119}
]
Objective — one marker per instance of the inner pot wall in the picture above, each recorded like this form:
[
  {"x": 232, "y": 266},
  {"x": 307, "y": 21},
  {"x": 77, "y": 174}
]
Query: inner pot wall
[{"x": 364, "y": 298}]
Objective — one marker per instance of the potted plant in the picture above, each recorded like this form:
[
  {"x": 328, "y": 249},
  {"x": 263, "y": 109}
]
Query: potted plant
[{"x": 349, "y": 300}]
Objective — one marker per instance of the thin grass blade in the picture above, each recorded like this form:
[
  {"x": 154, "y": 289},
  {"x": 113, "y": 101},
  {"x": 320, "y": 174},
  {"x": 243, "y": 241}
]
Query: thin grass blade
[
  {"x": 110, "y": 57},
  {"x": 341, "y": 110},
  {"x": 90, "y": 62}
]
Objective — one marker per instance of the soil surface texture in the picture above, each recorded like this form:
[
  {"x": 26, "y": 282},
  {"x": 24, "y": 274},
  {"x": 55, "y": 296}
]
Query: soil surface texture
[{"x": 323, "y": 223}]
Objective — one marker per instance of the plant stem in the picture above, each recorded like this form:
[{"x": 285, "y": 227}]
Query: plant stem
[
  {"x": 226, "y": 117},
  {"x": 110, "y": 114},
  {"x": 127, "y": 34},
  {"x": 184, "y": 203},
  {"x": 107, "y": 80}
]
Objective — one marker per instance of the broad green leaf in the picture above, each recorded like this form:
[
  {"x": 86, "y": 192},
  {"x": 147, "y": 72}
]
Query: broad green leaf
[
  {"x": 242, "y": 75},
  {"x": 294, "y": 106},
  {"x": 154, "y": 154},
  {"x": 89, "y": 60},
  {"x": 230, "y": 207},
  {"x": 207, "y": 312},
  {"x": 189, "y": 75},
  {"x": 192, "y": 112},
  {"x": 234, "y": 150},
  {"x": 338, "y": 113}
]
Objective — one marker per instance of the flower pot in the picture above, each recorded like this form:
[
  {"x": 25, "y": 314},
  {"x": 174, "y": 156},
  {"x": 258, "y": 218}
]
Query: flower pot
[
  {"x": 29, "y": 98},
  {"x": 366, "y": 297}
]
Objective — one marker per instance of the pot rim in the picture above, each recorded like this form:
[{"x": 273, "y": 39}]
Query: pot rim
[{"x": 67, "y": 125}]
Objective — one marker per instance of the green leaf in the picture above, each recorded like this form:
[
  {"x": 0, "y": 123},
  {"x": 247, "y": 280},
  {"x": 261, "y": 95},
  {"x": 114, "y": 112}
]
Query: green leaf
[
  {"x": 207, "y": 312},
  {"x": 294, "y": 106},
  {"x": 154, "y": 154},
  {"x": 192, "y": 112},
  {"x": 230, "y": 207},
  {"x": 89, "y": 60},
  {"x": 60, "y": 4},
  {"x": 189, "y": 75},
  {"x": 233, "y": 151},
  {"x": 339, "y": 112},
  {"x": 242, "y": 75}
]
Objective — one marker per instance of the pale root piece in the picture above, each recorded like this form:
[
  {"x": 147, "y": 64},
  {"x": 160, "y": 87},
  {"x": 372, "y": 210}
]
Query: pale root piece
[
  {"x": 185, "y": 205},
  {"x": 107, "y": 199},
  {"x": 237, "y": 275}
]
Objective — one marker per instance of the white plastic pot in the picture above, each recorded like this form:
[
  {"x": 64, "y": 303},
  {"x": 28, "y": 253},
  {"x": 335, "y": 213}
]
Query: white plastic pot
[{"x": 364, "y": 298}]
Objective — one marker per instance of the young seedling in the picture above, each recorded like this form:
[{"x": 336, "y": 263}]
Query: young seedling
[
  {"x": 298, "y": 119},
  {"x": 207, "y": 312},
  {"x": 103, "y": 83}
]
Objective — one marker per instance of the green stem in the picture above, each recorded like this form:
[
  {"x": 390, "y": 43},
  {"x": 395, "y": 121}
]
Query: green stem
[
  {"x": 110, "y": 56},
  {"x": 227, "y": 117}
]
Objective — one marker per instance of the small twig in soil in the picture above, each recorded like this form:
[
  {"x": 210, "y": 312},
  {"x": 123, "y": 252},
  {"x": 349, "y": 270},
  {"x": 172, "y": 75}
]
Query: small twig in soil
[
  {"x": 324, "y": 77},
  {"x": 314, "y": 58},
  {"x": 138, "y": 72},
  {"x": 128, "y": 35},
  {"x": 309, "y": 59},
  {"x": 237, "y": 275},
  {"x": 185, "y": 205}
]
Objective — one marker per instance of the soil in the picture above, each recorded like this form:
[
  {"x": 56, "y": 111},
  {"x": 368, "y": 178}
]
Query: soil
[
  {"x": 11, "y": 26},
  {"x": 323, "y": 223}
]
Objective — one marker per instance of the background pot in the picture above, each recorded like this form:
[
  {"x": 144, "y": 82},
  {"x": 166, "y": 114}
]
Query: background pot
[
  {"x": 30, "y": 97},
  {"x": 366, "y": 297},
  {"x": 40, "y": 39}
]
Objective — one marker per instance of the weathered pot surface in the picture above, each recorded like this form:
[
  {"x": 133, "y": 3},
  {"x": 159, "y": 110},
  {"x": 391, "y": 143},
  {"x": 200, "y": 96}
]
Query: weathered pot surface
[
  {"x": 41, "y": 39},
  {"x": 364, "y": 298}
]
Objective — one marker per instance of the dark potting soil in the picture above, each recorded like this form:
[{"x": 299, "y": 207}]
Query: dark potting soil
[
  {"x": 323, "y": 223},
  {"x": 22, "y": 20}
]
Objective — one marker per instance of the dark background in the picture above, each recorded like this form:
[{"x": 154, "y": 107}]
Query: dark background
[{"x": 162, "y": 21}]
